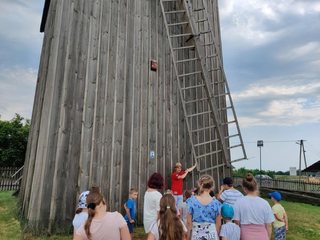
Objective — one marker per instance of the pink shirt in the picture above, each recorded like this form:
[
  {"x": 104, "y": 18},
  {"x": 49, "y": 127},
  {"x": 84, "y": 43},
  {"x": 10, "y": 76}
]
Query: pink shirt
[{"x": 106, "y": 228}]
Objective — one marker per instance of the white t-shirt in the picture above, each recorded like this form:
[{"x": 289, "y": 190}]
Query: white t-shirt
[
  {"x": 79, "y": 219},
  {"x": 151, "y": 206},
  {"x": 230, "y": 230},
  {"x": 252, "y": 210},
  {"x": 154, "y": 229},
  {"x": 230, "y": 196}
]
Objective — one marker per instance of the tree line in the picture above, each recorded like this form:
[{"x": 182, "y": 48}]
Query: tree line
[
  {"x": 242, "y": 172},
  {"x": 13, "y": 141}
]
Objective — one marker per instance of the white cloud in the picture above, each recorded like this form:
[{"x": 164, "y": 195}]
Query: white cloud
[
  {"x": 310, "y": 49},
  {"x": 17, "y": 92},
  {"x": 250, "y": 21},
  {"x": 274, "y": 89}
]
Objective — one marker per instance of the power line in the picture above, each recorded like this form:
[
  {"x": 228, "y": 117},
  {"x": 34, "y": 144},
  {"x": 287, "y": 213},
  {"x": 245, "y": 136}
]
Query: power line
[{"x": 274, "y": 141}]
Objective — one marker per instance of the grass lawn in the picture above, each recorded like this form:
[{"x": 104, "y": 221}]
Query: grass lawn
[{"x": 304, "y": 222}]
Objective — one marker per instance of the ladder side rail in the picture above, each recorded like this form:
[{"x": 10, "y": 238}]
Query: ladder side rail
[
  {"x": 223, "y": 73},
  {"x": 177, "y": 75},
  {"x": 215, "y": 114}
]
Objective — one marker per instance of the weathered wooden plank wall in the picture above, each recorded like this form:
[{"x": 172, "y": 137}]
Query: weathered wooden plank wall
[{"x": 99, "y": 111}]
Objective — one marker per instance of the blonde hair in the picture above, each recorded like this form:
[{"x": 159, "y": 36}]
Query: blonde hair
[{"x": 205, "y": 182}]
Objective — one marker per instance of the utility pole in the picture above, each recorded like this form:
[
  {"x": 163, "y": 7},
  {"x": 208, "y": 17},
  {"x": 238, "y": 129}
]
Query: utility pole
[
  {"x": 259, "y": 145},
  {"x": 302, "y": 152}
]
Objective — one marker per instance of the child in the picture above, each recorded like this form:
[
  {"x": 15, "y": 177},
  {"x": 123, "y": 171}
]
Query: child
[
  {"x": 280, "y": 224},
  {"x": 168, "y": 225},
  {"x": 229, "y": 230},
  {"x": 184, "y": 207},
  {"x": 82, "y": 212},
  {"x": 130, "y": 207}
]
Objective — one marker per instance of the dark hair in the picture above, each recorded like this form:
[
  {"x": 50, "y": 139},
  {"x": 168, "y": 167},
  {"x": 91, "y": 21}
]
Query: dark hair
[
  {"x": 228, "y": 181},
  {"x": 250, "y": 183},
  {"x": 170, "y": 226},
  {"x": 94, "y": 198},
  {"x": 187, "y": 194},
  {"x": 156, "y": 181}
]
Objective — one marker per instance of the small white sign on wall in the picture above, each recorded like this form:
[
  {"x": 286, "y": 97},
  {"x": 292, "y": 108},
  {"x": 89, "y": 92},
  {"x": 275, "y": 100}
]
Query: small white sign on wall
[{"x": 152, "y": 154}]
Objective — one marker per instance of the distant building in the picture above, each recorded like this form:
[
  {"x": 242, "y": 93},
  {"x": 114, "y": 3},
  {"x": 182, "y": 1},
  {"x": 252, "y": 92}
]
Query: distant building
[
  {"x": 313, "y": 170},
  {"x": 293, "y": 171}
]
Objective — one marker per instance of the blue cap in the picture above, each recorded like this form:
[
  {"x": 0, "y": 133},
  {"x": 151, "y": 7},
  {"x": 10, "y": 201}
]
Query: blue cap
[
  {"x": 227, "y": 211},
  {"x": 276, "y": 196}
]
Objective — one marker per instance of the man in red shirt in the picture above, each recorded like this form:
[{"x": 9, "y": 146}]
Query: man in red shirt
[{"x": 177, "y": 181}]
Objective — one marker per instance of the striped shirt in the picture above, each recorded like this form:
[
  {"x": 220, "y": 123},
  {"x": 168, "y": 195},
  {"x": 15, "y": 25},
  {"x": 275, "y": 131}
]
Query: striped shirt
[
  {"x": 230, "y": 230},
  {"x": 230, "y": 196}
]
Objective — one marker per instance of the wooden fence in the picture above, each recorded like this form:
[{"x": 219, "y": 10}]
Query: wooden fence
[
  {"x": 299, "y": 186},
  {"x": 10, "y": 178}
]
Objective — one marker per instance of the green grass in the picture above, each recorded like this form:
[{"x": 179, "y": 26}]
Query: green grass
[{"x": 304, "y": 222}]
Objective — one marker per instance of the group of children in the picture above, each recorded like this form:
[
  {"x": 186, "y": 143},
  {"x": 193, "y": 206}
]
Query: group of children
[{"x": 172, "y": 218}]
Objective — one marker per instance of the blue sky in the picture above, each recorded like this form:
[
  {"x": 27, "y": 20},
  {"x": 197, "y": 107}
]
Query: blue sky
[{"x": 271, "y": 52}]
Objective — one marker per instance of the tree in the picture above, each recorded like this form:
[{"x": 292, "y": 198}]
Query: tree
[
  {"x": 13, "y": 141},
  {"x": 242, "y": 172}
]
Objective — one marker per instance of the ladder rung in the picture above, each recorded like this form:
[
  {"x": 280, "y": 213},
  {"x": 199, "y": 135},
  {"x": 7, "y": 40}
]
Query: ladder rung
[
  {"x": 198, "y": 114},
  {"x": 205, "y": 32},
  {"x": 198, "y": 9},
  {"x": 187, "y": 60},
  {"x": 211, "y": 168},
  {"x": 196, "y": 100},
  {"x": 215, "y": 69},
  {"x": 168, "y": 0},
  {"x": 202, "y": 129},
  {"x": 226, "y": 123},
  {"x": 189, "y": 74},
  {"x": 208, "y": 154},
  {"x": 239, "y": 159},
  {"x": 177, "y": 24},
  {"x": 181, "y": 35},
  {"x": 221, "y": 95},
  {"x": 202, "y": 20},
  {"x": 191, "y": 87},
  {"x": 182, "y": 48},
  {"x": 225, "y": 108},
  {"x": 177, "y": 11},
  {"x": 231, "y": 136},
  {"x": 234, "y": 146},
  {"x": 213, "y": 55},
  {"x": 207, "y": 142},
  {"x": 208, "y": 44}
]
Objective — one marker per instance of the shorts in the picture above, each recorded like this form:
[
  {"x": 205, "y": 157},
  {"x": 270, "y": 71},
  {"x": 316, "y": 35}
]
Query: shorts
[
  {"x": 280, "y": 233},
  {"x": 130, "y": 226}
]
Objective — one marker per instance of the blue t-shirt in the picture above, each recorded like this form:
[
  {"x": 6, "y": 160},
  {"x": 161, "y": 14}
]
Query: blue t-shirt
[
  {"x": 203, "y": 213},
  {"x": 131, "y": 204}
]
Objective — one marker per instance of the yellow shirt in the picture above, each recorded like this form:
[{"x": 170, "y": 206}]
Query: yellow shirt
[{"x": 279, "y": 210}]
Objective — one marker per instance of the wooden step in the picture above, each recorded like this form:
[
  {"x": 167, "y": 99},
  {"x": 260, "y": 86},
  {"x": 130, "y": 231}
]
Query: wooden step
[
  {"x": 207, "y": 142},
  {"x": 187, "y": 60},
  {"x": 177, "y": 11},
  {"x": 183, "y": 48},
  {"x": 189, "y": 74},
  {"x": 198, "y": 114},
  {"x": 177, "y": 24},
  {"x": 192, "y": 87},
  {"x": 181, "y": 35},
  {"x": 203, "y": 129}
]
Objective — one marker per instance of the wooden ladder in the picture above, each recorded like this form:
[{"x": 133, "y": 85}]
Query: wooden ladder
[{"x": 204, "y": 92}]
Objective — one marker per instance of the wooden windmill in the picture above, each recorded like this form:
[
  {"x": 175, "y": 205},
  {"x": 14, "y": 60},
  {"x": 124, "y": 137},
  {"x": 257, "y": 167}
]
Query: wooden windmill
[{"x": 125, "y": 88}]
